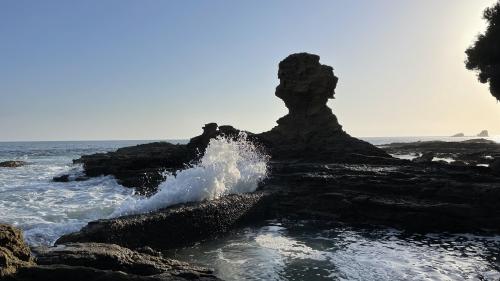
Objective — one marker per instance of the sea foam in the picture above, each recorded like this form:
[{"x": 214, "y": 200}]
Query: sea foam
[{"x": 228, "y": 166}]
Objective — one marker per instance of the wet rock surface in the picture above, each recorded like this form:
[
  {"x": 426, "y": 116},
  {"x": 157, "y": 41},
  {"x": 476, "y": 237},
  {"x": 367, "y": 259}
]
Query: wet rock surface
[
  {"x": 179, "y": 225},
  {"x": 472, "y": 152},
  {"x": 14, "y": 253},
  {"x": 12, "y": 164}
]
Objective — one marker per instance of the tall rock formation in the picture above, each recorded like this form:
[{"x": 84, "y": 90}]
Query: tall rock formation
[{"x": 310, "y": 130}]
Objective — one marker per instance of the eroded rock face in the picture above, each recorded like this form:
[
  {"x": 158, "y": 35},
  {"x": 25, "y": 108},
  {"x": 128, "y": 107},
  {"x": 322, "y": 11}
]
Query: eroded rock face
[
  {"x": 310, "y": 131},
  {"x": 14, "y": 253}
]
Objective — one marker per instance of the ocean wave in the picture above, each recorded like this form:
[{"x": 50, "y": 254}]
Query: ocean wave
[{"x": 228, "y": 166}]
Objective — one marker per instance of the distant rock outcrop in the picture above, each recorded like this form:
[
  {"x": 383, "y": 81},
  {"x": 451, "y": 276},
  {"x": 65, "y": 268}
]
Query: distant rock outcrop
[
  {"x": 459, "y": 135},
  {"x": 483, "y": 134},
  {"x": 310, "y": 130}
]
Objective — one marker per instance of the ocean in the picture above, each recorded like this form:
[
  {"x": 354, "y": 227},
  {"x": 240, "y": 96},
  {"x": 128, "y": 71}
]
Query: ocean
[{"x": 275, "y": 250}]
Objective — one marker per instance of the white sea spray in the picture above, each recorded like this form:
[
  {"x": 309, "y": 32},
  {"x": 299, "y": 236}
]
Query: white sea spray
[{"x": 228, "y": 166}]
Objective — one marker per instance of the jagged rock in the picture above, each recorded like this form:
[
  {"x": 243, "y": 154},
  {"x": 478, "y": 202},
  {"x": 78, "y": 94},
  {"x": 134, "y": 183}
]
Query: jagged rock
[
  {"x": 12, "y": 164},
  {"x": 458, "y": 135},
  {"x": 310, "y": 131},
  {"x": 483, "y": 134},
  {"x": 14, "y": 253},
  {"x": 176, "y": 226}
]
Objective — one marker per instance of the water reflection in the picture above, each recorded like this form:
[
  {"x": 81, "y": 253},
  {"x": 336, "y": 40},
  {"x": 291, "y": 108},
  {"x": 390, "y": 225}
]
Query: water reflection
[{"x": 302, "y": 251}]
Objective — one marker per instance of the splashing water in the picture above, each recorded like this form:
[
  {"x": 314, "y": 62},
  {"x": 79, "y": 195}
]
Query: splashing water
[{"x": 228, "y": 166}]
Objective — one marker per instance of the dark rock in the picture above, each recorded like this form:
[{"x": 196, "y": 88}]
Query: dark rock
[
  {"x": 62, "y": 178},
  {"x": 113, "y": 257},
  {"x": 14, "y": 253},
  {"x": 431, "y": 197},
  {"x": 310, "y": 131},
  {"x": 495, "y": 166},
  {"x": 424, "y": 158},
  {"x": 483, "y": 134},
  {"x": 176, "y": 226},
  {"x": 458, "y": 135},
  {"x": 12, "y": 164},
  {"x": 141, "y": 166}
]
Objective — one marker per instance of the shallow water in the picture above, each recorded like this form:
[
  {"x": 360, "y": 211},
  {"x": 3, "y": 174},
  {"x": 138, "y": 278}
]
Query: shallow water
[
  {"x": 302, "y": 251},
  {"x": 45, "y": 210}
]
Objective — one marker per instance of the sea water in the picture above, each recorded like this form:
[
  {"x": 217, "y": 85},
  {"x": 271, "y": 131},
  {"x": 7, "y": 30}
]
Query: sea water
[{"x": 275, "y": 250}]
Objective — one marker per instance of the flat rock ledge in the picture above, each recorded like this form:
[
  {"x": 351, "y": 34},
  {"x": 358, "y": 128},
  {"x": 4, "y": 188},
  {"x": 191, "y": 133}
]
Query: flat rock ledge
[
  {"x": 176, "y": 226},
  {"x": 98, "y": 261}
]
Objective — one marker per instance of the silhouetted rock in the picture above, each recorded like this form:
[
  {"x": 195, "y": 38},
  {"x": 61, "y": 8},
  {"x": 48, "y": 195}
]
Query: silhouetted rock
[
  {"x": 310, "y": 131},
  {"x": 483, "y": 134},
  {"x": 14, "y": 253},
  {"x": 12, "y": 164},
  {"x": 459, "y": 135}
]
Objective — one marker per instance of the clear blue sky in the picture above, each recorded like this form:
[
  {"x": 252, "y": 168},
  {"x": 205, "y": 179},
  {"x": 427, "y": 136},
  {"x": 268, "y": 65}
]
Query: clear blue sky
[{"x": 72, "y": 70}]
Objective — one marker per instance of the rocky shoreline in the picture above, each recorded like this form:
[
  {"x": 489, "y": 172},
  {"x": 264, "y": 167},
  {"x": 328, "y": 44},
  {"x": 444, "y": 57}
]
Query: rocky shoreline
[{"x": 317, "y": 171}]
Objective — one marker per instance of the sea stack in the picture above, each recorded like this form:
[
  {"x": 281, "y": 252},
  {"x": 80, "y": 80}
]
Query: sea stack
[{"x": 310, "y": 131}]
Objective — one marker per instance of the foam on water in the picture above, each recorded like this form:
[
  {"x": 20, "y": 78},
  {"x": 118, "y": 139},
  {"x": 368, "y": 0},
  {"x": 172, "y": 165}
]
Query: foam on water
[
  {"x": 44, "y": 209},
  {"x": 228, "y": 166}
]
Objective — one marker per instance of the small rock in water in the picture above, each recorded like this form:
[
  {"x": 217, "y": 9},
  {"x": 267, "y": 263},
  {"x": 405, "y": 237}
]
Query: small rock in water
[
  {"x": 12, "y": 164},
  {"x": 63, "y": 178}
]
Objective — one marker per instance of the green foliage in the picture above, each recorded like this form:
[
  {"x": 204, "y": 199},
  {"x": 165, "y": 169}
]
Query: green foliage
[{"x": 484, "y": 55}]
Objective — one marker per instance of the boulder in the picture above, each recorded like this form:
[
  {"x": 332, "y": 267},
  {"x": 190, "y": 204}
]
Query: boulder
[
  {"x": 12, "y": 164},
  {"x": 14, "y": 253}
]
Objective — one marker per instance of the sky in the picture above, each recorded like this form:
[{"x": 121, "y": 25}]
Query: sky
[{"x": 118, "y": 69}]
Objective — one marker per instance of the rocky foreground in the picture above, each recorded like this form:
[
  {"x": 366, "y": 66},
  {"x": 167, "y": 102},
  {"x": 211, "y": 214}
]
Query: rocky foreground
[{"x": 317, "y": 171}]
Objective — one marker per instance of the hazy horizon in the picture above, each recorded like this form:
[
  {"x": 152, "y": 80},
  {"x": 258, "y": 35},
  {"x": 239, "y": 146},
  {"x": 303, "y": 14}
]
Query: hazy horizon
[{"x": 153, "y": 70}]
